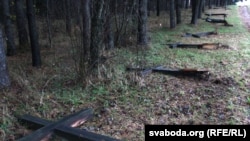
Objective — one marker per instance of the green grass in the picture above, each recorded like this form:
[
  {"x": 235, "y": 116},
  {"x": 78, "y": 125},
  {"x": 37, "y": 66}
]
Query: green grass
[
  {"x": 129, "y": 101},
  {"x": 248, "y": 100}
]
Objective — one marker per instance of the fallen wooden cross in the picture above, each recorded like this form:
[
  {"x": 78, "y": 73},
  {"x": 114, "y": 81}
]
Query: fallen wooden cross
[
  {"x": 218, "y": 21},
  {"x": 209, "y": 46},
  {"x": 216, "y": 14},
  {"x": 63, "y": 128},
  {"x": 189, "y": 72},
  {"x": 199, "y": 35}
]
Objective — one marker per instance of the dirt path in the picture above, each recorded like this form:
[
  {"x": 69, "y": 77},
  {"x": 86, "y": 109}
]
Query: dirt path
[{"x": 245, "y": 15}]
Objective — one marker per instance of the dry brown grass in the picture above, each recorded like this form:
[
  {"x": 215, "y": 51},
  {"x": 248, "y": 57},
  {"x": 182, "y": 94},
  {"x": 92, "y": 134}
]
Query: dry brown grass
[{"x": 123, "y": 102}]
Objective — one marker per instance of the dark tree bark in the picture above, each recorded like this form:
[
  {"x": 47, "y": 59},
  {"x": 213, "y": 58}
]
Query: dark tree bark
[
  {"x": 35, "y": 49},
  {"x": 79, "y": 12},
  {"x": 172, "y": 13},
  {"x": 21, "y": 24},
  {"x": 201, "y": 4},
  {"x": 96, "y": 32},
  {"x": 225, "y": 4},
  {"x": 187, "y": 4},
  {"x": 142, "y": 23},
  {"x": 11, "y": 47},
  {"x": 149, "y": 8},
  {"x": 4, "y": 76},
  {"x": 68, "y": 16},
  {"x": 210, "y": 4},
  {"x": 75, "y": 7},
  {"x": 157, "y": 7},
  {"x": 86, "y": 27},
  {"x": 178, "y": 11},
  {"x": 109, "y": 40},
  {"x": 48, "y": 23},
  {"x": 218, "y": 3},
  {"x": 166, "y": 5},
  {"x": 195, "y": 10},
  {"x": 183, "y": 3},
  {"x": 84, "y": 48}
]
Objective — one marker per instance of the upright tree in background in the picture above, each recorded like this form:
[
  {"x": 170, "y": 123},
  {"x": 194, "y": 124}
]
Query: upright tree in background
[
  {"x": 21, "y": 24},
  {"x": 11, "y": 47},
  {"x": 195, "y": 11},
  {"x": 142, "y": 23},
  {"x": 217, "y": 3},
  {"x": 172, "y": 13},
  {"x": 48, "y": 21},
  {"x": 178, "y": 4},
  {"x": 187, "y": 4},
  {"x": 85, "y": 45},
  {"x": 210, "y": 4},
  {"x": 35, "y": 49},
  {"x": 201, "y": 8},
  {"x": 68, "y": 16},
  {"x": 4, "y": 76},
  {"x": 109, "y": 39},
  {"x": 96, "y": 32},
  {"x": 158, "y": 7},
  {"x": 149, "y": 8}
]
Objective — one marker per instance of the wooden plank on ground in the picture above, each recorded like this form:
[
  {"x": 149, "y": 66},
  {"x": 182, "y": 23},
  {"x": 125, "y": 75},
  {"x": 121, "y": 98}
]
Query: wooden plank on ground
[
  {"x": 47, "y": 130},
  {"x": 69, "y": 133}
]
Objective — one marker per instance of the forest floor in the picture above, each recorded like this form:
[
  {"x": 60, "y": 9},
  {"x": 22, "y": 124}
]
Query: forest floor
[{"x": 124, "y": 102}]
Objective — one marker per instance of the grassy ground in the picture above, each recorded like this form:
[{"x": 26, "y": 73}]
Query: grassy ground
[{"x": 122, "y": 101}]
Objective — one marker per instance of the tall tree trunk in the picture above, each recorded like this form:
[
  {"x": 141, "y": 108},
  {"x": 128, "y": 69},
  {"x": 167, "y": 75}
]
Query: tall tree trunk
[
  {"x": 21, "y": 24},
  {"x": 210, "y": 4},
  {"x": 142, "y": 23},
  {"x": 201, "y": 4},
  {"x": 183, "y": 3},
  {"x": 11, "y": 47},
  {"x": 96, "y": 32},
  {"x": 217, "y": 3},
  {"x": 225, "y": 4},
  {"x": 195, "y": 10},
  {"x": 35, "y": 49},
  {"x": 78, "y": 12},
  {"x": 187, "y": 4},
  {"x": 48, "y": 23},
  {"x": 68, "y": 16},
  {"x": 4, "y": 76},
  {"x": 109, "y": 24},
  {"x": 84, "y": 50},
  {"x": 157, "y": 7},
  {"x": 86, "y": 25},
  {"x": 172, "y": 13},
  {"x": 178, "y": 11},
  {"x": 148, "y": 7}
]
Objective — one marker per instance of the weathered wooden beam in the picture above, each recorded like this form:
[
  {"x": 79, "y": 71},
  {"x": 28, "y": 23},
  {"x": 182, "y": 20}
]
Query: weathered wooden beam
[
  {"x": 71, "y": 120},
  {"x": 199, "y": 35},
  {"x": 216, "y": 14},
  {"x": 189, "y": 72},
  {"x": 142, "y": 71},
  {"x": 218, "y": 21},
  {"x": 69, "y": 133},
  {"x": 182, "y": 72},
  {"x": 209, "y": 46},
  {"x": 179, "y": 45}
]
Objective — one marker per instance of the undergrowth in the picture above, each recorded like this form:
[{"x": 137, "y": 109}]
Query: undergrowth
[{"x": 123, "y": 101}]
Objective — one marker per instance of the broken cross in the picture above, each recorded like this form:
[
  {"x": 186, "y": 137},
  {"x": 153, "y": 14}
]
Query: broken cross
[{"x": 63, "y": 128}]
